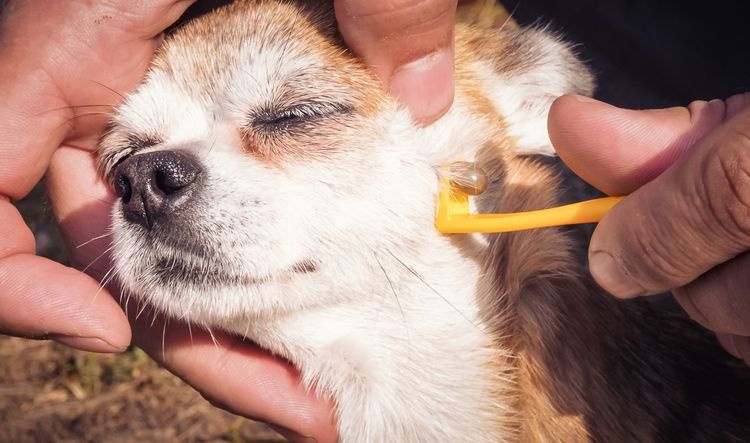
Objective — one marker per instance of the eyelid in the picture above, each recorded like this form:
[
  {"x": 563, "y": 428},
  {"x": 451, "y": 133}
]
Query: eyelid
[{"x": 303, "y": 111}]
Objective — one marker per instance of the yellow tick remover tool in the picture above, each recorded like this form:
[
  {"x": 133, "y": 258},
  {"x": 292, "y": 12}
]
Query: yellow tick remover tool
[{"x": 459, "y": 180}]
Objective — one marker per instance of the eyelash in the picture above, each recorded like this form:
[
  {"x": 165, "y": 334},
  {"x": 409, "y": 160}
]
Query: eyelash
[{"x": 295, "y": 117}]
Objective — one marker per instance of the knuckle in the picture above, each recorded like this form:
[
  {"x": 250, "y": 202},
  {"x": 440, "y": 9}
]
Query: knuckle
[
  {"x": 737, "y": 103},
  {"x": 730, "y": 203},
  {"x": 654, "y": 257},
  {"x": 717, "y": 299},
  {"x": 695, "y": 107}
]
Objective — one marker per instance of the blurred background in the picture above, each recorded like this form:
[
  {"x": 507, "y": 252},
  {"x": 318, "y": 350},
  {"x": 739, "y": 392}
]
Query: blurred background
[{"x": 50, "y": 393}]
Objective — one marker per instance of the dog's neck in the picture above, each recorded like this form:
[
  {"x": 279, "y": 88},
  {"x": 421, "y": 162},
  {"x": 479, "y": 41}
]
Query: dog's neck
[{"x": 419, "y": 322}]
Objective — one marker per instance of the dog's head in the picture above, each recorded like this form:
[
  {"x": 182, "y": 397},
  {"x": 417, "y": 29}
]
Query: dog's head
[{"x": 261, "y": 168}]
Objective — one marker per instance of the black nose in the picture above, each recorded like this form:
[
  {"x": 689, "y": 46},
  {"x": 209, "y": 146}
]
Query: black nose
[{"x": 154, "y": 185}]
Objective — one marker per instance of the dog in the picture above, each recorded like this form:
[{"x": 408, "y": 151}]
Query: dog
[{"x": 269, "y": 186}]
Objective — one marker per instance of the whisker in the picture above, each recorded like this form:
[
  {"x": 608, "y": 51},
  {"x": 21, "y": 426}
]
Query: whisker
[
  {"x": 186, "y": 312},
  {"x": 163, "y": 340},
  {"x": 110, "y": 89},
  {"x": 507, "y": 19},
  {"x": 122, "y": 292},
  {"x": 112, "y": 246},
  {"x": 190, "y": 331},
  {"x": 103, "y": 282},
  {"x": 93, "y": 239},
  {"x": 247, "y": 329},
  {"x": 153, "y": 319},
  {"x": 63, "y": 108},
  {"x": 213, "y": 337},
  {"x": 106, "y": 201},
  {"x": 252, "y": 77},
  {"x": 216, "y": 137},
  {"x": 106, "y": 280},
  {"x": 140, "y": 311},
  {"x": 416, "y": 274},
  {"x": 87, "y": 114},
  {"x": 393, "y": 290}
]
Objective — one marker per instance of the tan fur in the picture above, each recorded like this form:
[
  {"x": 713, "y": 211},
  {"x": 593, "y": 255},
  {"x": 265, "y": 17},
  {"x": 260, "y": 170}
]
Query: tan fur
[
  {"x": 537, "y": 286},
  {"x": 568, "y": 363}
]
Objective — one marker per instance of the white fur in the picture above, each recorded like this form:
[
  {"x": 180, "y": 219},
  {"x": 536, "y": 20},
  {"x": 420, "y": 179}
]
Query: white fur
[
  {"x": 388, "y": 324},
  {"x": 524, "y": 99}
]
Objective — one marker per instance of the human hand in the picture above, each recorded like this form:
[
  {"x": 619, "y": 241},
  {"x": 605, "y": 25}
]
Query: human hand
[
  {"x": 64, "y": 64},
  {"x": 685, "y": 226},
  {"x": 409, "y": 45}
]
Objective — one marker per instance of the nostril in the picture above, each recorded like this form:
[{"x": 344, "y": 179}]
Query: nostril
[
  {"x": 123, "y": 187},
  {"x": 170, "y": 181}
]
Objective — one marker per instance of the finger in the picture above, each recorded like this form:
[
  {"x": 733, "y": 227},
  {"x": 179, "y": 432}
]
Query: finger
[
  {"x": 240, "y": 377},
  {"x": 618, "y": 150},
  {"x": 720, "y": 298},
  {"x": 409, "y": 44},
  {"x": 63, "y": 54},
  {"x": 82, "y": 204},
  {"x": 692, "y": 217},
  {"x": 41, "y": 298}
]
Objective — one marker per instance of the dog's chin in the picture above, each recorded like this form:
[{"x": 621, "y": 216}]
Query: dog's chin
[
  {"x": 173, "y": 272},
  {"x": 211, "y": 296},
  {"x": 170, "y": 277}
]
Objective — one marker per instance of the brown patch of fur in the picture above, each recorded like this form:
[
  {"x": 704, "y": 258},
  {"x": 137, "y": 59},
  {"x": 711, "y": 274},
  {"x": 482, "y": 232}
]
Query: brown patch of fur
[
  {"x": 516, "y": 184},
  {"x": 587, "y": 367},
  {"x": 468, "y": 87},
  {"x": 296, "y": 29}
]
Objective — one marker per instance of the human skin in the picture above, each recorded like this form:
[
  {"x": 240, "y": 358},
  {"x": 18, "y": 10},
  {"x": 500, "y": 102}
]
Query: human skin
[
  {"x": 685, "y": 225},
  {"x": 64, "y": 65},
  {"x": 67, "y": 56}
]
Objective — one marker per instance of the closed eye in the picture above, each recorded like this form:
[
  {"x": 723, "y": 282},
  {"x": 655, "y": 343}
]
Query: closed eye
[{"x": 272, "y": 119}]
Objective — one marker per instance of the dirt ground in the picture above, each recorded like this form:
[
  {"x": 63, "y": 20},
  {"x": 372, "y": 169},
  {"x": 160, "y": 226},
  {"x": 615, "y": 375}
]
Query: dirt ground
[{"x": 50, "y": 393}]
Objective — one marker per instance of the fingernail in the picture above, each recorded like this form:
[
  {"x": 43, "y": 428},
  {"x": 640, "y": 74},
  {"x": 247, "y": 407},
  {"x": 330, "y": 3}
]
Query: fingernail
[
  {"x": 612, "y": 277},
  {"x": 425, "y": 86},
  {"x": 291, "y": 435},
  {"x": 92, "y": 344}
]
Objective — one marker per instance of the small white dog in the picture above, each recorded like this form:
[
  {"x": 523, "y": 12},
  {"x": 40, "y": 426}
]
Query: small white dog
[{"x": 270, "y": 187}]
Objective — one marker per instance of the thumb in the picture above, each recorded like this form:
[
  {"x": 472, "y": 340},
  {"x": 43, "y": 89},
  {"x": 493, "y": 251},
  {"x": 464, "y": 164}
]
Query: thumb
[
  {"x": 409, "y": 45},
  {"x": 618, "y": 150},
  {"x": 693, "y": 216}
]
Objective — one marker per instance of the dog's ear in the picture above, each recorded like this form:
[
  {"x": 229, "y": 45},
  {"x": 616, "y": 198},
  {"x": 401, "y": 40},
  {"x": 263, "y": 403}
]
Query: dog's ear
[{"x": 523, "y": 71}]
